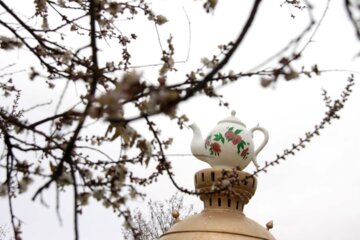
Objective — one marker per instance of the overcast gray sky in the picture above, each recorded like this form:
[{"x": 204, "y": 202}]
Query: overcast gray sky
[{"x": 313, "y": 195}]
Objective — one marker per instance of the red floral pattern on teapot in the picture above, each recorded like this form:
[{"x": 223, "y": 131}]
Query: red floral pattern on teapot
[{"x": 228, "y": 145}]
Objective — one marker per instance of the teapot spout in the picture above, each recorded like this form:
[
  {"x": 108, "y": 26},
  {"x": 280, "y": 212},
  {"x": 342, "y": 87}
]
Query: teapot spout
[{"x": 197, "y": 144}]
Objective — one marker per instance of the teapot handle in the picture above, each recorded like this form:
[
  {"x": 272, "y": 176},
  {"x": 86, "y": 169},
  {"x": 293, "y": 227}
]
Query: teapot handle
[{"x": 262, "y": 145}]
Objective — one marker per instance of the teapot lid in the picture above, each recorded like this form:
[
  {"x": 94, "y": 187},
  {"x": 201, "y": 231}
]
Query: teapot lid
[{"x": 232, "y": 119}]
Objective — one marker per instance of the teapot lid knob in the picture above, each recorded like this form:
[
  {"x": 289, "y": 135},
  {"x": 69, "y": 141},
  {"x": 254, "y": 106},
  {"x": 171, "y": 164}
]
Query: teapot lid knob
[{"x": 232, "y": 119}]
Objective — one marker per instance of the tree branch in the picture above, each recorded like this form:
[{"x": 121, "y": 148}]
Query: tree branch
[
  {"x": 218, "y": 67},
  {"x": 351, "y": 17},
  {"x": 95, "y": 78},
  {"x": 9, "y": 169}
]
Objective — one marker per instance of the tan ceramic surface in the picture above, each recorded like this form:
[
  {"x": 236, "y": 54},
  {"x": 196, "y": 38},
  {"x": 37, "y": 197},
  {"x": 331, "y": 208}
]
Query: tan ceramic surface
[{"x": 217, "y": 224}]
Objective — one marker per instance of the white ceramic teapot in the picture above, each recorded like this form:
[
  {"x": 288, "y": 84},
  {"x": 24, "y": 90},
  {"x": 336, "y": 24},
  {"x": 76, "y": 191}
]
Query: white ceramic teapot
[{"x": 228, "y": 145}]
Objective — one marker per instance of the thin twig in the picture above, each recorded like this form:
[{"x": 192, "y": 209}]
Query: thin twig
[{"x": 37, "y": 106}]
